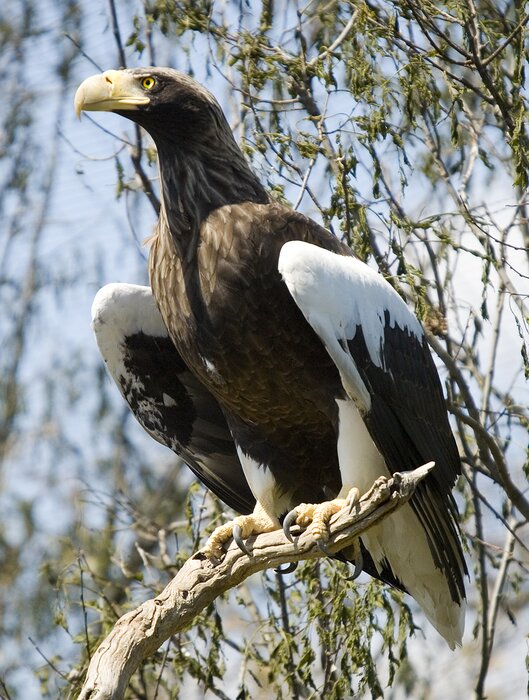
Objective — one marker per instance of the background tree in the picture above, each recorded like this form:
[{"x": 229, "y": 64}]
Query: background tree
[{"x": 401, "y": 126}]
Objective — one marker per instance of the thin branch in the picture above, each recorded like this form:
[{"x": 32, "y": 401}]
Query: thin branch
[
  {"x": 480, "y": 233},
  {"x": 48, "y": 661},
  {"x": 83, "y": 53},
  {"x": 285, "y": 622},
  {"x": 136, "y": 150},
  {"x": 489, "y": 622},
  {"x": 483, "y": 578},
  {"x": 84, "y": 609},
  {"x": 497, "y": 593},
  {"x": 507, "y": 41},
  {"x": 338, "y": 41},
  {"x": 139, "y": 633},
  {"x": 502, "y": 476},
  {"x": 4, "y": 690},
  {"x": 117, "y": 34},
  {"x": 489, "y": 375}
]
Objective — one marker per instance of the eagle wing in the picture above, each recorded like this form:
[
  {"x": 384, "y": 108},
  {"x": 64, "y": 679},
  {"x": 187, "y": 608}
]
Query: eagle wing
[
  {"x": 165, "y": 397},
  {"x": 387, "y": 370}
]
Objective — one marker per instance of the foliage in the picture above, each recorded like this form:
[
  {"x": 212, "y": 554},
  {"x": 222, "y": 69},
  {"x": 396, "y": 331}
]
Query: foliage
[{"x": 400, "y": 125}]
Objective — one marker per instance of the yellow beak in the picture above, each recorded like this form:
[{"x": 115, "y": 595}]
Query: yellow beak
[{"x": 113, "y": 89}]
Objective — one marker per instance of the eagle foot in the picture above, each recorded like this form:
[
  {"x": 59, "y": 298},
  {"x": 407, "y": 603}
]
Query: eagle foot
[
  {"x": 240, "y": 529},
  {"x": 213, "y": 549},
  {"x": 381, "y": 482},
  {"x": 315, "y": 517}
]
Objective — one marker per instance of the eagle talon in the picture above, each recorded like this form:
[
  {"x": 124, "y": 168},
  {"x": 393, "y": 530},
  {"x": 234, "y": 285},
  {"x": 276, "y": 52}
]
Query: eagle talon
[
  {"x": 359, "y": 566},
  {"x": 289, "y": 568},
  {"x": 290, "y": 519},
  {"x": 238, "y": 539}
]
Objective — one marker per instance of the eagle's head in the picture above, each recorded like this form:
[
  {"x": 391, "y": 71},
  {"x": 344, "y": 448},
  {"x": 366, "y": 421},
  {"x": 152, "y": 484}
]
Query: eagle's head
[
  {"x": 202, "y": 168},
  {"x": 166, "y": 102}
]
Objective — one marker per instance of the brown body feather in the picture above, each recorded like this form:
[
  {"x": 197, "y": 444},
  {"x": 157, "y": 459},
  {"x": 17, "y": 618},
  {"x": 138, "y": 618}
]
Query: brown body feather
[{"x": 226, "y": 310}]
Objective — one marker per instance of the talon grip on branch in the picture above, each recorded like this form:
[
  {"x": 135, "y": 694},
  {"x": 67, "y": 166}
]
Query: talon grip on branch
[{"x": 139, "y": 633}]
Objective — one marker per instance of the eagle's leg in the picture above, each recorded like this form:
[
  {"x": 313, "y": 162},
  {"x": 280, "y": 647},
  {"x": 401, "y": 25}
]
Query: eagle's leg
[
  {"x": 316, "y": 516},
  {"x": 240, "y": 528}
]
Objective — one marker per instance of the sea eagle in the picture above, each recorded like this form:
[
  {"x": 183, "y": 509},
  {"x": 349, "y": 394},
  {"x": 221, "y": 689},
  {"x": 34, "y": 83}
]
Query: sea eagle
[{"x": 268, "y": 339}]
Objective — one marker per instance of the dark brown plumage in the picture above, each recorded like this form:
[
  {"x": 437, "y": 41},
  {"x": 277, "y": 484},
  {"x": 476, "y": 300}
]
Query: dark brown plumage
[
  {"x": 322, "y": 373},
  {"x": 229, "y": 329}
]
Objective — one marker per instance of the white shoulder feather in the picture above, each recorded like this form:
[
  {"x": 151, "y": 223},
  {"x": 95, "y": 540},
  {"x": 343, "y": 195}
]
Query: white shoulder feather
[{"x": 337, "y": 294}]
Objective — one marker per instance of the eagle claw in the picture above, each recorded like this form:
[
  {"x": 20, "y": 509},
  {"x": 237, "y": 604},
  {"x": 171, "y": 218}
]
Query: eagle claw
[
  {"x": 359, "y": 566},
  {"x": 238, "y": 538},
  {"x": 289, "y": 568},
  {"x": 290, "y": 519}
]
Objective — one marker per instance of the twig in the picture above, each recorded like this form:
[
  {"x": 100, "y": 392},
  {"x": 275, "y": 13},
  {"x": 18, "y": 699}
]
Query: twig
[
  {"x": 339, "y": 40},
  {"x": 3, "y": 689},
  {"x": 288, "y": 633},
  {"x": 48, "y": 661},
  {"x": 507, "y": 41},
  {"x": 117, "y": 34},
  {"x": 136, "y": 150},
  {"x": 502, "y": 475},
  {"x": 497, "y": 593},
  {"x": 83, "y": 53},
  {"x": 489, "y": 621},
  {"x": 83, "y": 607},
  {"x": 139, "y": 633},
  {"x": 482, "y": 576}
]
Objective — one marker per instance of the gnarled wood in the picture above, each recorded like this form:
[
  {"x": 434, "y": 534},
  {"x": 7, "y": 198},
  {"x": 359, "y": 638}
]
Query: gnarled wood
[{"x": 142, "y": 631}]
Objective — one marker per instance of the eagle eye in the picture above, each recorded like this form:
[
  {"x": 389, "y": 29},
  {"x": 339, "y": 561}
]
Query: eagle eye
[{"x": 148, "y": 83}]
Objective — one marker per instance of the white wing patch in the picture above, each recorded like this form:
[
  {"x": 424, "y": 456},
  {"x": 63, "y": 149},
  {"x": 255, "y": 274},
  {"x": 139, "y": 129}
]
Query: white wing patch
[
  {"x": 337, "y": 294},
  {"x": 121, "y": 310},
  {"x": 118, "y": 312}
]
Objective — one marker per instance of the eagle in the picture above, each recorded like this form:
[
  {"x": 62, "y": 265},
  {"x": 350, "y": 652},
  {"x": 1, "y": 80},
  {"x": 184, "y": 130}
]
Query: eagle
[{"x": 286, "y": 372}]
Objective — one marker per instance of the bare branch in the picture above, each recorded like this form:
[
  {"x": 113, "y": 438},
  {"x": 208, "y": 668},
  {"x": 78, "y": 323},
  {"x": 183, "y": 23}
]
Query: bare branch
[
  {"x": 137, "y": 150},
  {"x": 117, "y": 34},
  {"x": 139, "y": 633},
  {"x": 492, "y": 611},
  {"x": 339, "y": 40}
]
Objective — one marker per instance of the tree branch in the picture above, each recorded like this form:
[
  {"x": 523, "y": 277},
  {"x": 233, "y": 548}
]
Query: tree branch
[{"x": 139, "y": 633}]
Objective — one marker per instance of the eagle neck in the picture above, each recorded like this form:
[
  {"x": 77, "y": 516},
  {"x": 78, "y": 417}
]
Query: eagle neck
[{"x": 198, "y": 179}]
